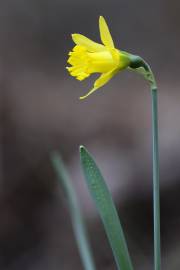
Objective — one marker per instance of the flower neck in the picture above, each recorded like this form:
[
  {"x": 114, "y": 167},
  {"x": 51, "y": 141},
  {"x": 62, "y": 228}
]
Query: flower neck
[{"x": 140, "y": 66}]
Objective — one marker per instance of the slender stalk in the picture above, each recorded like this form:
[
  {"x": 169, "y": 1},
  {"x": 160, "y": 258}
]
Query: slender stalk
[
  {"x": 138, "y": 62},
  {"x": 156, "y": 192},
  {"x": 75, "y": 213}
]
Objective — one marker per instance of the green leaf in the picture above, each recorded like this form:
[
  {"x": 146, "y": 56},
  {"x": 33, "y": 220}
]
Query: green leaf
[
  {"x": 105, "y": 205},
  {"x": 75, "y": 212}
]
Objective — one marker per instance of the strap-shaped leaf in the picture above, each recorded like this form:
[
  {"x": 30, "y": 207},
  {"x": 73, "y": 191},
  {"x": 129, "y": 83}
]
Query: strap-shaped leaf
[
  {"x": 105, "y": 205},
  {"x": 75, "y": 212}
]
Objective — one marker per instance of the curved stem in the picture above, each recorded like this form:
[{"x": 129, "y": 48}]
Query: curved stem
[{"x": 139, "y": 65}]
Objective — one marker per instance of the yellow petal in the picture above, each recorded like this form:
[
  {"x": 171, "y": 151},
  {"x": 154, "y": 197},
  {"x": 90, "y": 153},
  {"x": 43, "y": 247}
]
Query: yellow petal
[
  {"x": 105, "y": 33},
  {"x": 89, "y": 93},
  {"x": 87, "y": 43},
  {"x": 102, "y": 80}
]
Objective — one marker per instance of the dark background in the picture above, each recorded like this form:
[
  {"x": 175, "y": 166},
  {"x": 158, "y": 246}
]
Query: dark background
[{"x": 40, "y": 111}]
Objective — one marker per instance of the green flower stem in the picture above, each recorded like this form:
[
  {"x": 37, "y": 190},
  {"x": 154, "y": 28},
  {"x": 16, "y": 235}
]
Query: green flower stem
[
  {"x": 75, "y": 213},
  {"x": 156, "y": 192},
  {"x": 140, "y": 66}
]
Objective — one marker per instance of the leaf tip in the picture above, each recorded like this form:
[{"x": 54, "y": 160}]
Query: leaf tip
[
  {"x": 81, "y": 148},
  {"x": 83, "y": 152}
]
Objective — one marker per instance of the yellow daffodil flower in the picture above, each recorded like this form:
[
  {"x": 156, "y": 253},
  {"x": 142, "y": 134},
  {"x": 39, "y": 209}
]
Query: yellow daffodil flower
[{"x": 89, "y": 57}]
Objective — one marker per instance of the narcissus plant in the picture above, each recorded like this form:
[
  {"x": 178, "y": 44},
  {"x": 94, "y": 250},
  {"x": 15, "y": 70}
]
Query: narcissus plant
[{"x": 86, "y": 58}]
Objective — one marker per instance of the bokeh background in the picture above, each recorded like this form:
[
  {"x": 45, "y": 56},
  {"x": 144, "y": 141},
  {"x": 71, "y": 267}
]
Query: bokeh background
[{"x": 40, "y": 112}]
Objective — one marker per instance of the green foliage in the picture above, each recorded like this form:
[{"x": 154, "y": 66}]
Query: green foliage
[
  {"x": 75, "y": 213},
  {"x": 105, "y": 205}
]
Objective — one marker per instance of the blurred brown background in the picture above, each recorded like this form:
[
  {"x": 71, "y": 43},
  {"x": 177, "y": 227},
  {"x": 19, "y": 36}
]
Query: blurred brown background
[{"x": 40, "y": 111}]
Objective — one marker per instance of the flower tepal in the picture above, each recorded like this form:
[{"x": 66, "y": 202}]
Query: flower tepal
[{"x": 88, "y": 57}]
